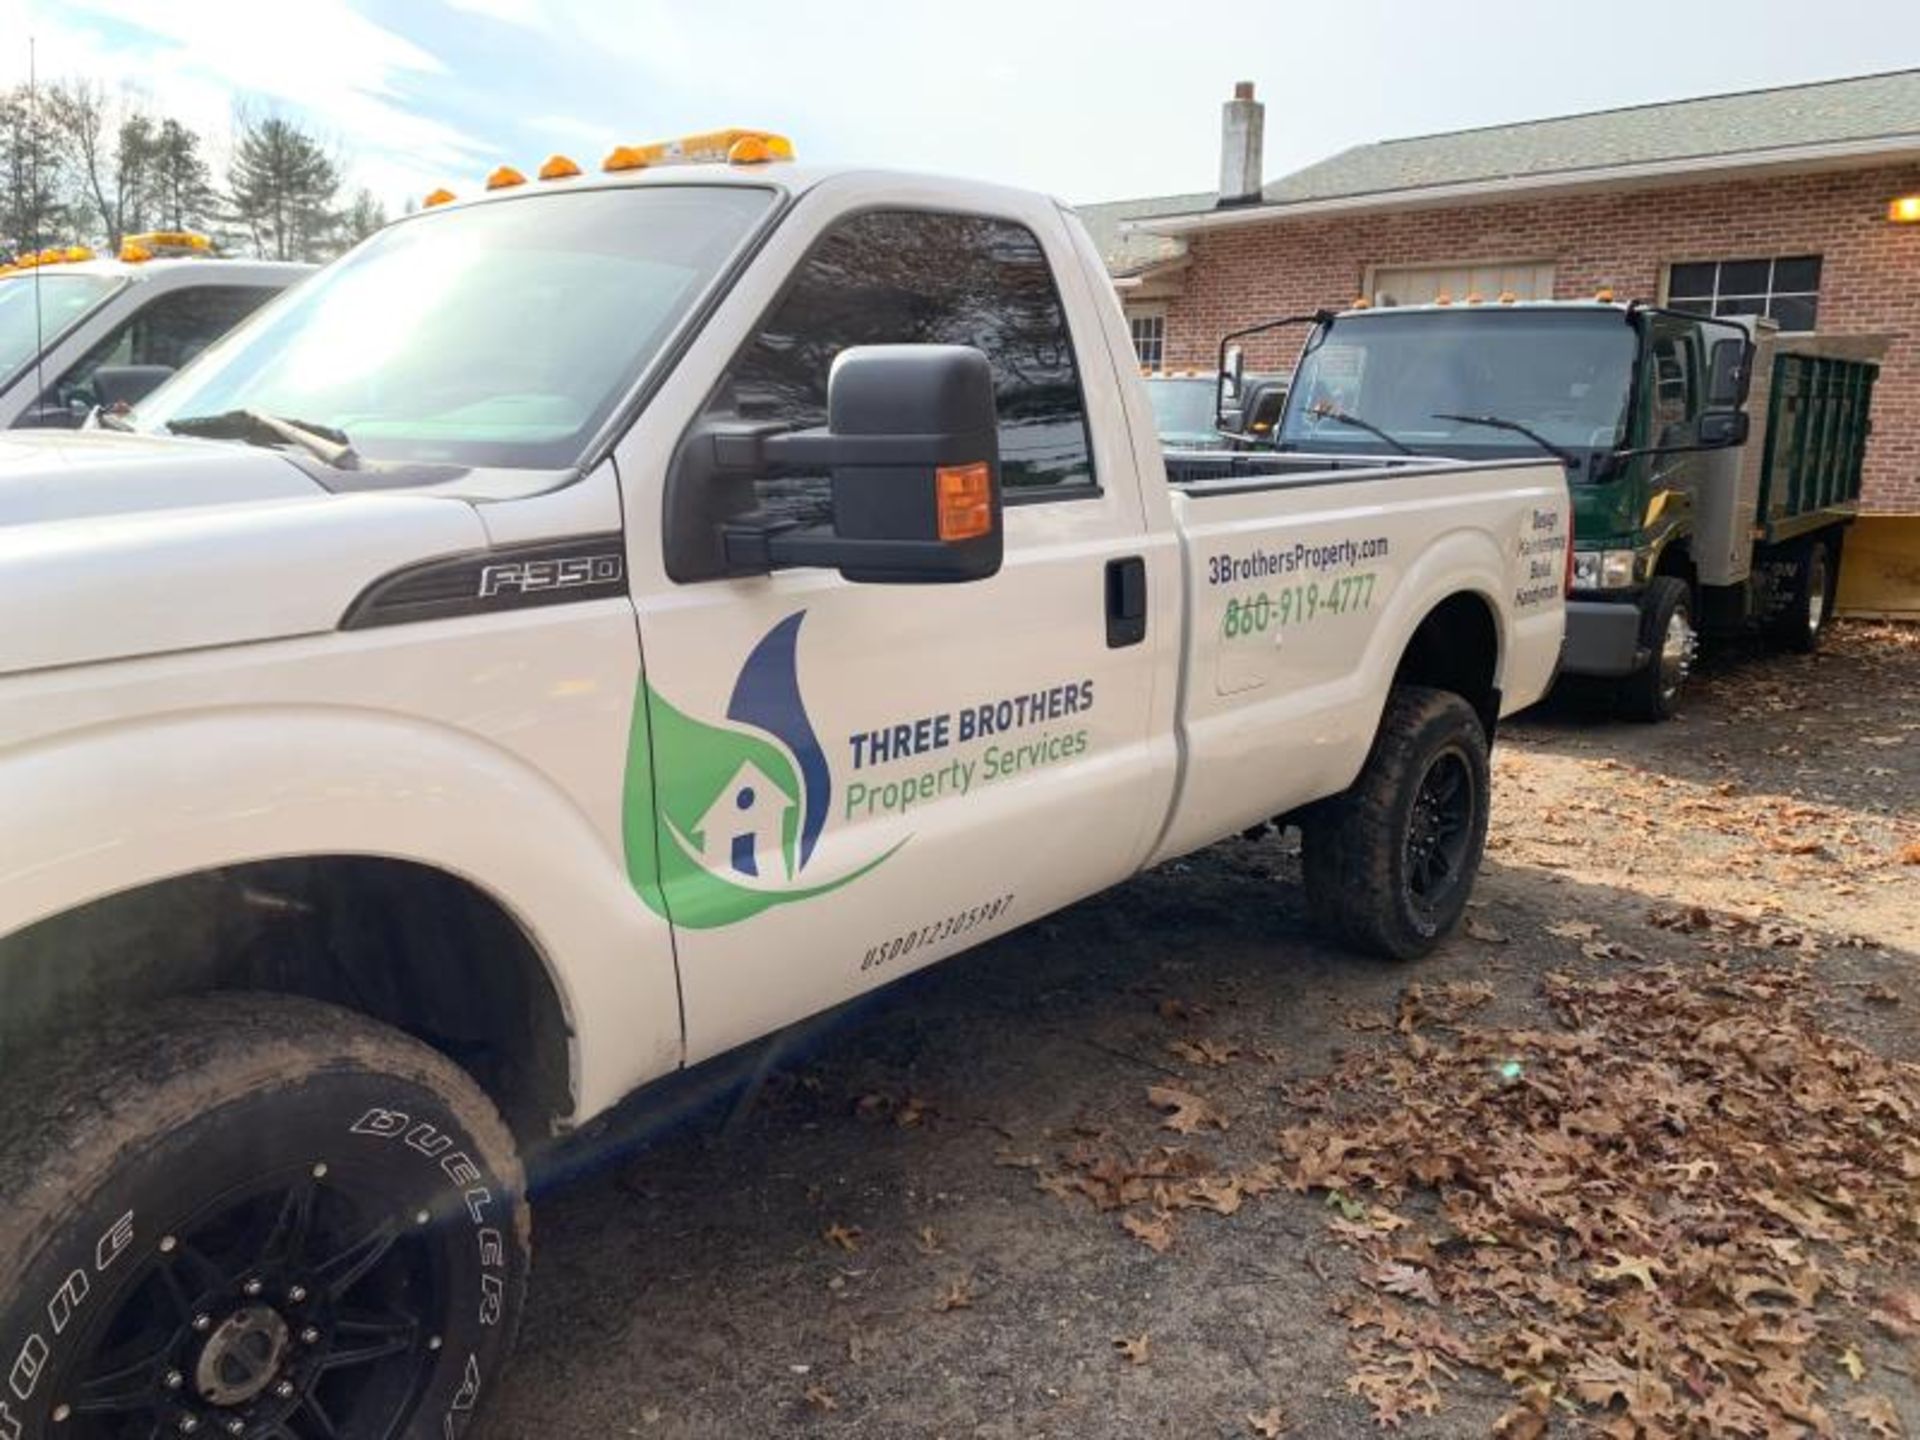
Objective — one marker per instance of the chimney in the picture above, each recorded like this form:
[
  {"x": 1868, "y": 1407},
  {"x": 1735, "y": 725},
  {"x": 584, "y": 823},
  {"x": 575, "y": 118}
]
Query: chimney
[{"x": 1243, "y": 125}]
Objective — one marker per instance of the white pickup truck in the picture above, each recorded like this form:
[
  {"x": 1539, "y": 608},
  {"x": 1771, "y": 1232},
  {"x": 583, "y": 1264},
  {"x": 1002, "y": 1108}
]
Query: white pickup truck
[
  {"x": 585, "y": 629},
  {"x": 73, "y": 327}
]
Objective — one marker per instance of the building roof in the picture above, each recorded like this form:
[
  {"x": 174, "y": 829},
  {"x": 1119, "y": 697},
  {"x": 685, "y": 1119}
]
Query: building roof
[
  {"x": 1861, "y": 120},
  {"x": 1129, "y": 252},
  {"x": 1867, "y": 107}
]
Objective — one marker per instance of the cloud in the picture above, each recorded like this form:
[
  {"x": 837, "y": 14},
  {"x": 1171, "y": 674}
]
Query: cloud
[{"x": 357, "y": 84}]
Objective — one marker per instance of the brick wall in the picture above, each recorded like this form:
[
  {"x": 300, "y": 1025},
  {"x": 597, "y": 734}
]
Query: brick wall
[{"x": 1869, "y": 280}]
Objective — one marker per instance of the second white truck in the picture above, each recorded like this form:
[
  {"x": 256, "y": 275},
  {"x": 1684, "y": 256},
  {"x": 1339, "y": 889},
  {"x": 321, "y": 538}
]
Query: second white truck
[{"x": 590, "y": 627}]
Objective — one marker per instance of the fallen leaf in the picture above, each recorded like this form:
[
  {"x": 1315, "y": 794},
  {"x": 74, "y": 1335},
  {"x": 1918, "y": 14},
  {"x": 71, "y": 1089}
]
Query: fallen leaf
[
  {"x": 1909, "y": 854},
  {"x": 958, "y": 1296},
  {"x": 1134, "y": 1349},
  {"x": 1876, "y": 1412},
  {"x": 845, "y": 1236},
  {"x": 1397, "y": 1279},
  {"x": 1488, "y": 935},
  {"x": 1630, "y": 1267},
  {"x": 927, "y": 1242},
  {"x": 1210, "y": 1053},
  {"x": 1220, "y": 1195},
  {"x": 1189, "y": 1112},
  {"x": 819, "y": 1399},
  {"x": 1270, "y": 1425},
  {"x": 1855, "y": 1366},
  {"x": 1154, "y": 1231},
  {"x": 1573, "y": 929}
]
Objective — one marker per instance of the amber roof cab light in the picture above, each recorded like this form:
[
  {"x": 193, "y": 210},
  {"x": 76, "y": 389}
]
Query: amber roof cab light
[{"x": 1905, "y": 210}]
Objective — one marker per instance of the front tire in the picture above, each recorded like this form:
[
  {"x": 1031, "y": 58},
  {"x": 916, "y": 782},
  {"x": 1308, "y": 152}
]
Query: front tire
[
  {"x": 256, "y": 1216},
  {"x": 1652, "y": 693},
  {"x": 1389, "y": 864}
]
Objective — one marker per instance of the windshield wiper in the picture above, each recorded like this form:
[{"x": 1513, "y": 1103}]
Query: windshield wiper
[
  {"x": 323, "y": 442},
  {"x": 1500, "y": 422},
  {"x": 112, "y": 420},
  {"x": 1327, "y": 412}
]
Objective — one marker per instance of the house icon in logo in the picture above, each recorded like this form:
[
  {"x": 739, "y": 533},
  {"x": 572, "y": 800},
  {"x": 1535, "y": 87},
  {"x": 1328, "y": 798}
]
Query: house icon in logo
[{"x": 744, "y": 829}]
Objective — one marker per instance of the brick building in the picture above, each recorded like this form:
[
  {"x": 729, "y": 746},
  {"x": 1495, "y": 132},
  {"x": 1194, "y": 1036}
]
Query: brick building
[{"x": 1777, "y": 202}]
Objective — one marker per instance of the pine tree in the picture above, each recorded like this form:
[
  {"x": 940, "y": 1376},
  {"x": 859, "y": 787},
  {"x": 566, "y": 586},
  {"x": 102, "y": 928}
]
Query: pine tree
[
  {"x": 280, "y": 187},
  {"x": 183, "y": 197},
  {"x": 32, "y": 176}
]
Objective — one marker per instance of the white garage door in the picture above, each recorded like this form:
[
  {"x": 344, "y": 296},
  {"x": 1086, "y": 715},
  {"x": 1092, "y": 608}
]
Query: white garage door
[{"x": 1423, "y": 284}]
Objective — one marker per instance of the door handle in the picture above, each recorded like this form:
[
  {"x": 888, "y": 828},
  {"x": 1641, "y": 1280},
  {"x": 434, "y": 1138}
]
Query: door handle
[{"x": 1126, "y": 585}]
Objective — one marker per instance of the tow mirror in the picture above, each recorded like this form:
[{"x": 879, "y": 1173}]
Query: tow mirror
[
  {"x": 1724, "y": 429},
  {"x": 1228, "y": 388},
  {"x": 1729, "y": 373},
  {"x": 912, "y": 451},
  {"x": 125, "y": 385}
]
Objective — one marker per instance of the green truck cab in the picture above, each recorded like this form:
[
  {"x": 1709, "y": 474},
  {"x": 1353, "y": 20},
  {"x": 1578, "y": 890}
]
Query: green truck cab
[{"x": 1714, "y": 463}]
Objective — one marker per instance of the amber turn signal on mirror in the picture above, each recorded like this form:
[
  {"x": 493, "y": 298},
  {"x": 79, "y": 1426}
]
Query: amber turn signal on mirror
[{"x": 965, "y": 497}]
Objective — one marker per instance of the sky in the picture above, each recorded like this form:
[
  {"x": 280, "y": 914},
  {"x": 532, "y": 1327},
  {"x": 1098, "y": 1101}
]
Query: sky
[{"x": 1088, "y": 101}]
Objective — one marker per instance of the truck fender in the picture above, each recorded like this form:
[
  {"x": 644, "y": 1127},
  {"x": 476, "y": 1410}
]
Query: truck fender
[{"x": 189, "y": 793}]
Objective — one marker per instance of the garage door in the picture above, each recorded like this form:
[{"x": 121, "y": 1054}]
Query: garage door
[{"x": 1423, "y": 284}]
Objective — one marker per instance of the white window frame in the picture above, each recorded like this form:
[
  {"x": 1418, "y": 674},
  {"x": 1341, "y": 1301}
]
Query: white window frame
[
  {"x": 1766, "y": 298},
  {"x": 1155, "y": 314}
]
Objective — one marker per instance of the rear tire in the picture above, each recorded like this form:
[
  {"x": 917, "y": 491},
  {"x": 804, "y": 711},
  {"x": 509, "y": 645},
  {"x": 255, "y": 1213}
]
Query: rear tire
[
  {"x": 256, "y": 1215},
  {"x": 1389, "y": 864},
  {"x": 1799, "y": 627},
  {"x": 1652, "y": 693}
]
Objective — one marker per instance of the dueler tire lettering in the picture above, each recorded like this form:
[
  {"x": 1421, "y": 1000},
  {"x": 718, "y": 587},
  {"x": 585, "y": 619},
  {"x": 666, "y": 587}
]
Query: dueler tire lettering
[{"x": 299, "y": 1183}]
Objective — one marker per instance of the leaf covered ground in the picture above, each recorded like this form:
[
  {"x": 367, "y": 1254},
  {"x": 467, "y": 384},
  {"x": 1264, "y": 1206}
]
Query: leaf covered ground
[{"x": 1636, "y": 1155}]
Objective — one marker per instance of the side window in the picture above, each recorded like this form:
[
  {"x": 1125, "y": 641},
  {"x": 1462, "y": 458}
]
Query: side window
[
  {"x": 169, "y": 330},
  {"x": 1674, "y": 379},
  {"x": 910, "y": 277}
]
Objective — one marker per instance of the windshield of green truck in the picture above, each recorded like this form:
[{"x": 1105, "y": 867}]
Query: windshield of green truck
[
  {"x": 1182, "y": 406},
  {"x": 1564, "y": 373},
  {"x": 501, "y": 334},
  {"x": 38, "y": 308}
]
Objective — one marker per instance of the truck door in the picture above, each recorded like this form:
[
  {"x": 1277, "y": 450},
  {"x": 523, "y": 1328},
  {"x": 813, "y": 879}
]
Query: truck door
[
  {"x": 1678, "y": 388},
  {"x": 835, "y": 783}
]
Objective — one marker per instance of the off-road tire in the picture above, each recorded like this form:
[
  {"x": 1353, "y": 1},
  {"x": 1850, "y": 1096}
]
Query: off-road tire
[
  {"x": 1804, "y": 620},
  {"x": 1356, "y": 847},
  {"x": 178, "y": 1175},
  {"x": 1652, "y": 693}
]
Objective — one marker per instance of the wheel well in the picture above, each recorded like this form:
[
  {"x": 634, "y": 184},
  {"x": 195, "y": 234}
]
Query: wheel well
[
  {"x": 1676, "y": 559},
  {"x": 424, "y": 951},
  {"x": 1457, "y": 648}
]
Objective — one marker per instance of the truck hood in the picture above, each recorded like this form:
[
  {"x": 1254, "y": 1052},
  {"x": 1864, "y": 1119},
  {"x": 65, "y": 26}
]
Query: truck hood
[
  {"x": 116, "y": 546},
  {"x": 50, "y": 475}
]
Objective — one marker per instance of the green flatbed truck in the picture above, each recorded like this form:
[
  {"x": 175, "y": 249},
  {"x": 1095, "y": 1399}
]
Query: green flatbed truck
[{"x": 1715, "y": 463}]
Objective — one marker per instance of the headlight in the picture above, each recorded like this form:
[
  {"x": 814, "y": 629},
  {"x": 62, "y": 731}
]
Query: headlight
[{"x": 1602, "y": 569}]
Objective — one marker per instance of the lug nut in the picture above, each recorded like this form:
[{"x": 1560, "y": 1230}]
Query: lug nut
[
  {"x": 320, "y": 1171},
  {"x": 284, "y": 1389},
  {"x": 310, "y": 1336},
  {"x": 189, "y": 1424},
  {"x": 421, "y": 1217},
  {"x": 174, "y": 1380},
  {"x": 296, "y": 1294},
  {"x": 435, "y": 1343},
  {"x": 253, "y": 1288},
  {"x": 168, "y": 1244},
  {"x": 236, "y": 1426},
  {"x": 60, "y": 1413},
  {"x": 203, "y": 1323}
]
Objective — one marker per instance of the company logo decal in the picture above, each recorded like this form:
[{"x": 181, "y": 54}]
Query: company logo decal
[{"x": 724, "y": 821}]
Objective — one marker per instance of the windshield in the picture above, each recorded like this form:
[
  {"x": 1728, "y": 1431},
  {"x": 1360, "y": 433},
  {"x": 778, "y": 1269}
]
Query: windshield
[
  {"x": 501, "y": 335},
  {"x": 1563, "y": 373},
  {"x": 1182, "y": 407},
  {"x": 29, "y": 320}
]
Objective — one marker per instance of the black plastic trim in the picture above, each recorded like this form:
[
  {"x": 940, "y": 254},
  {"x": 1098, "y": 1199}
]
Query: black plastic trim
[{"x": 495, "y": 581}]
